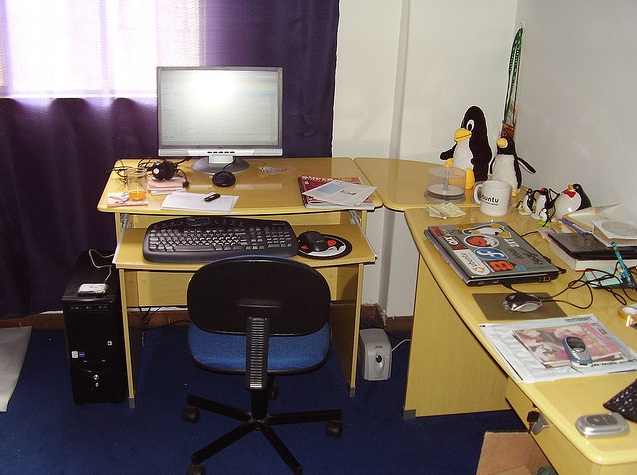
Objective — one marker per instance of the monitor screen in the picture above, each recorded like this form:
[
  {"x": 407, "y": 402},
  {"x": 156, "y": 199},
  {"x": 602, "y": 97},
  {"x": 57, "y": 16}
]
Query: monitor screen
[{"x": 219, "y": 112}]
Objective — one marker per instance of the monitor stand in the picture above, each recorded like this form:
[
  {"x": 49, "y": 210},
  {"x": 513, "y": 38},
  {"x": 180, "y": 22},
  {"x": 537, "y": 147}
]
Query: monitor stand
[{"x": 203, "y": 165}]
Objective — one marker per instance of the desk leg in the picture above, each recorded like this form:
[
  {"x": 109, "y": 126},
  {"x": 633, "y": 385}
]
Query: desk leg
[
  {"x": 127, "y": 341},
  {"x": 345, "y": 320},
  {"x": 449, "y": 371}
]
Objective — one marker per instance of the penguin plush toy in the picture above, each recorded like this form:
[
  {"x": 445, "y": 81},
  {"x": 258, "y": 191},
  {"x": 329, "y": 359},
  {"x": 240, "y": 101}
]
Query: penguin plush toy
[
  {"x": 505, "y": 166},
  {"x": 471, "y": 151}
]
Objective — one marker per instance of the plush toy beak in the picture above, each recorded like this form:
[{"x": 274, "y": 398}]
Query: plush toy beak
[
  {"x": 461, "y": 134},
  {"x": 502, "y": 143}
]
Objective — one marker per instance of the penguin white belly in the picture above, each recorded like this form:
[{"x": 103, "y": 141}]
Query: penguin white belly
[
  {"x": 462, "y": 155},
  {"x": 504, "y": 170}
]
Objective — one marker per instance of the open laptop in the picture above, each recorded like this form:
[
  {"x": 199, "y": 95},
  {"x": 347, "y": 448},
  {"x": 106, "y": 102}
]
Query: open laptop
[{"x": 490, "y": 253}]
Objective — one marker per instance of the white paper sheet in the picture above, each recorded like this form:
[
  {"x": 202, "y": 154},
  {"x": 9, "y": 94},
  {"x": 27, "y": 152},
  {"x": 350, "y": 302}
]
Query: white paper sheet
[
  {"x": 13, "y": 348},
  {"x": 194, "y": 201}
]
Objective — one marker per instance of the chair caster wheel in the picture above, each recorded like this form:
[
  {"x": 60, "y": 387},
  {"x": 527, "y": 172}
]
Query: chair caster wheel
[
  {"x": 334, "y": 428},
  {"x": 196, "y": 470},
  {"x": 191, "y": 414}
]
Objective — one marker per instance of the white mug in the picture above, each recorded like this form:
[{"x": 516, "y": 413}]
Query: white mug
[{"x": 493, "y": 197}]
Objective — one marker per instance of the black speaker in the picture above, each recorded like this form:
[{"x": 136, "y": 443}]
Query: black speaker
[{"x": 93, "y": 328}]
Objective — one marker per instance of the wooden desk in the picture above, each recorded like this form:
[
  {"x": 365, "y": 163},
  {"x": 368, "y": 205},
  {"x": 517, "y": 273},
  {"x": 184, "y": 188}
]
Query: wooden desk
[
  {"x": 262, "y": 195},
  {"x": 454, "y": 369}
]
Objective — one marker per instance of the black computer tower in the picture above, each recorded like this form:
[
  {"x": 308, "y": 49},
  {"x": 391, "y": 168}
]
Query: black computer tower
[{"x": 94, "y": 335}]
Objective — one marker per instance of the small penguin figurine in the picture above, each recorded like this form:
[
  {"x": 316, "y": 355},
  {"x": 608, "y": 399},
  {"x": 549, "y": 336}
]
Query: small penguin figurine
[
  {"x": 586, "y": 202},
  {"x": 571, "y": 199},
  {"x": 505, "y": 166},
  {"x": 471, "y": 151},
  {"x": 540, "y": 202},
  {"x": 525, "y": 205}
]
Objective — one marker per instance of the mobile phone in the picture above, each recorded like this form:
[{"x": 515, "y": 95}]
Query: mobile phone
[
  {"x": 576, "y": 351},
  {"x": 599, "y": 425}
]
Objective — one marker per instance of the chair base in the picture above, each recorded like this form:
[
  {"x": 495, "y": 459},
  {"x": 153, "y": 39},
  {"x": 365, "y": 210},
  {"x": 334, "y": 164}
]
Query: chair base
[{"x": 257, "y": 420}]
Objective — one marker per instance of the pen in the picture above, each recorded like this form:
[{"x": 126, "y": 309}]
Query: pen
[{"x": 211, "y": 197}]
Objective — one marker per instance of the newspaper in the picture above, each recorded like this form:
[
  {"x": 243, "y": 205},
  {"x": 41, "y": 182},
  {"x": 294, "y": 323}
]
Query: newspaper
[{"x": 534, "y": 352}]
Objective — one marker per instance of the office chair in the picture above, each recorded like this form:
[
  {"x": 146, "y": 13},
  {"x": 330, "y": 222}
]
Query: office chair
[{"x": 261, "y": 316}]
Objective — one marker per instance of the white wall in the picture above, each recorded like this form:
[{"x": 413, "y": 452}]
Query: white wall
[
  {"x": 577, "y": 96},
  {"x": 367, "y": 54},
  {"x": 456, "y": 56}
]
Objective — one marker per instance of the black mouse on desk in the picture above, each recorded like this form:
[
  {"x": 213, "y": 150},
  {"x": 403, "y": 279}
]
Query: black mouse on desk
[
  {"x": 313, "y": 241},
  {"x": 519, "y": 302},
  {"x": 224, "y": 178}
]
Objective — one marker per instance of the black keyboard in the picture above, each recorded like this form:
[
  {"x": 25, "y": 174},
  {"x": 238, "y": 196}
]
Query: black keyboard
[
  {"x": 208, "y": 238},
  {"x": 625, "y": 402}
]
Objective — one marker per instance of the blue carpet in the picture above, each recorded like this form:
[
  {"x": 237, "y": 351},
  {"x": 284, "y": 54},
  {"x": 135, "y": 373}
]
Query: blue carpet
[{"x": 44, "y": 432}]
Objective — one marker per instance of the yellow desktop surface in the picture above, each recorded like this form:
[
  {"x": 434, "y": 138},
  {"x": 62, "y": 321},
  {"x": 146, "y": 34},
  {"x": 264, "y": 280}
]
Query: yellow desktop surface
[
  {"x": 259, "y": 192},
  {"x": 402, "y": 184},
  {"x": 484, "y": 386}
]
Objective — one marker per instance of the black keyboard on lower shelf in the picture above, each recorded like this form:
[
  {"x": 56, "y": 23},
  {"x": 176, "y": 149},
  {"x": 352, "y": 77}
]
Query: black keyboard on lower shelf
[
  {"x": 208, "y": 238},
  {"x": 625, "y": 402}
]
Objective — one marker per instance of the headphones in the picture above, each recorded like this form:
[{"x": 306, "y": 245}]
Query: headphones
[{"x": 164, "y": 170}]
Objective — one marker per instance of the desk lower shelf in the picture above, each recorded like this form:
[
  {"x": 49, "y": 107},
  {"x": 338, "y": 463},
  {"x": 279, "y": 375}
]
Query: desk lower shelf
[
  {"x": 130, "y": 257},
  {"x": 164, "y": 283}
]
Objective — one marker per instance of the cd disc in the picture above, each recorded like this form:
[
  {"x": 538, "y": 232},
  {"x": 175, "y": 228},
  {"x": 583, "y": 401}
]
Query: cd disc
[
  {"x": 447, "y": 192},
  {"x": 619, "y": 229}
]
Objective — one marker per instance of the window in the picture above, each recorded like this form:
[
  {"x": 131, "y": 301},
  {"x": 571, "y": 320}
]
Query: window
[{"x": 61, "y": 48}]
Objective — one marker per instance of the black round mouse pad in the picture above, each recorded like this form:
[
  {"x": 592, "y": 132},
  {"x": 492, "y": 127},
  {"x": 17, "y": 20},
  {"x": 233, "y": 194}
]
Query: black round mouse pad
[{"x": 336, "y": 247}]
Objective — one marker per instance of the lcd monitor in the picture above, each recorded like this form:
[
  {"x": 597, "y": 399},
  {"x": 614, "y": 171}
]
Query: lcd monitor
[{"x": 219, "y": 114}]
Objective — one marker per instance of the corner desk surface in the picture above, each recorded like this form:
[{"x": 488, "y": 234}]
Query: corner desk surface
[
  {"x": 402, "y": 184},
  {"x": 454, "y": 369},
  {"x": 261, "y": 195}
]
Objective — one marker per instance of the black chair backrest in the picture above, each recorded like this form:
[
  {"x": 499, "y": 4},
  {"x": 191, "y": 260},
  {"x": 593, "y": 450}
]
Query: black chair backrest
[{"x": 222, "y": 295}]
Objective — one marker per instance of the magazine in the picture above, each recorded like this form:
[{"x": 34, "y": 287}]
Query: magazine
[
  {"x": 545, "y": 344},
  {"x": 307, "y": 183},
  {"x": 526, "y": 360},
  {"x": 165, "y": 187}
]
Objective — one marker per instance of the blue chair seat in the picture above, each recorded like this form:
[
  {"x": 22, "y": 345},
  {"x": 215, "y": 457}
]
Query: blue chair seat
[{"x": 224, "y": 352}]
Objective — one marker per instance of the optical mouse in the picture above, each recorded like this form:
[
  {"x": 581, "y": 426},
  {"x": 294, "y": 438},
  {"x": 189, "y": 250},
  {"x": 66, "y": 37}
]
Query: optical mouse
[
  {"x": 519, "y": 302},
  {"x": 314, "y": 241},
  {"x": 223, "y": 178}
]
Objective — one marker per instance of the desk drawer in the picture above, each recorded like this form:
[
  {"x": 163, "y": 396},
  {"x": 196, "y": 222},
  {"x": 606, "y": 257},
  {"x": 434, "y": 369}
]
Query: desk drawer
[{"x": 561, "y": 453}]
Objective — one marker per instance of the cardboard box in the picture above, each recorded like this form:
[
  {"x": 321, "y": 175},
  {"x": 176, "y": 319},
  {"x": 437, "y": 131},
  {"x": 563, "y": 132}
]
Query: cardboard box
[{"x": 510, "y": 453}]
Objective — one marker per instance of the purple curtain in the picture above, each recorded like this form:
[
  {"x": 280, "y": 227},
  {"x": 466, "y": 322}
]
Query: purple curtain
[
  {"x": 298, "y": 35},
  {"x": 55, "y": 155}
]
